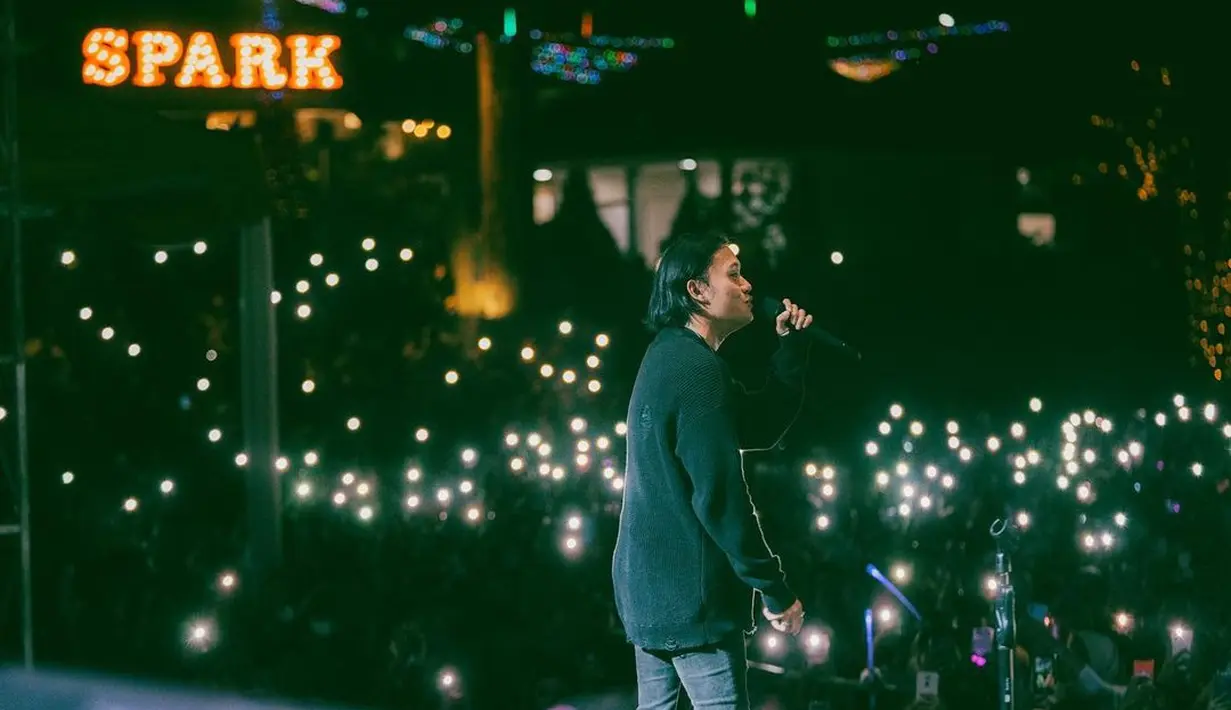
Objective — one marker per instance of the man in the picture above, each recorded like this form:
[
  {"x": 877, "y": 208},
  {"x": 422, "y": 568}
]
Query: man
[{"x": 690, "y": 546}]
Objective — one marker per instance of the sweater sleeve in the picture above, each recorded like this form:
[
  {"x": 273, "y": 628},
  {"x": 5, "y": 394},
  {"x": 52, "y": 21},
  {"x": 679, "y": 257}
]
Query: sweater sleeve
[
  {"x": 765, "y": 415},
  {"x": 708, "y": 447}
]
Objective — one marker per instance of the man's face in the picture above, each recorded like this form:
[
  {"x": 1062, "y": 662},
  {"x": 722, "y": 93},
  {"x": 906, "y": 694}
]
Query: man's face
[{"x": 727, "y": 298}]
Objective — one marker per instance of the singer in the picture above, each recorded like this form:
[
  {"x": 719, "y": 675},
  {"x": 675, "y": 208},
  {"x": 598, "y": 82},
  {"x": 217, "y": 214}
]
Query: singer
[{"x": 690, "y": 548}]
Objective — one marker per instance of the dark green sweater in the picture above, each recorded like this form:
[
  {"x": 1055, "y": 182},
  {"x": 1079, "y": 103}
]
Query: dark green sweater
[{"x": 690, "y": 547}]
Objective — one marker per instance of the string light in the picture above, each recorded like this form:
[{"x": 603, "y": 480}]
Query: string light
[
  {"x": 924, "y": 34},
  {"x": 426, "y": 128},
  {"x": 580, "y": 58},
  {"x": 441, "y": 34},
  {"x": 877, "y": 61},
  {"x": 582, "y": 65},
  {"x": 626, "y": 42},
  {"x": 900, "y": 54}
]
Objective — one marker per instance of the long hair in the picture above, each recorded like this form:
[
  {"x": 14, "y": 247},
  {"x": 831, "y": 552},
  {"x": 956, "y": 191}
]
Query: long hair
[{"x": 685, "y": 257}]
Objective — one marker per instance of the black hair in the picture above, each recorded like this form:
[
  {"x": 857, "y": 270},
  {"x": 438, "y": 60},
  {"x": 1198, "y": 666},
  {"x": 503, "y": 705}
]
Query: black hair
[{"x": 685, "y": 257}]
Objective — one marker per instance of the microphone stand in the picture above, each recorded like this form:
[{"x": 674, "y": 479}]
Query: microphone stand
[{"x": 1006, "y": 613}]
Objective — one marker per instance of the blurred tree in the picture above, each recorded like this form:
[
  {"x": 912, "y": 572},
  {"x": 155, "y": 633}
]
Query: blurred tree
[
  {"x": 759, "y": 197},
  {"x": 804, "y": 241},
  {"x": 579, "y": 263},
  {"x": 696, "y": 212}
]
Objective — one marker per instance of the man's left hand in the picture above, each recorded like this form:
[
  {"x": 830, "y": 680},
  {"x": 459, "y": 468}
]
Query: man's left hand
[{"x": 791, "y": 318}]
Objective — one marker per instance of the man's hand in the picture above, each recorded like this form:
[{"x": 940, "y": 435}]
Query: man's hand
[
  {"x": 789, "y": 621},
  {"x": 791, "y": 318}
]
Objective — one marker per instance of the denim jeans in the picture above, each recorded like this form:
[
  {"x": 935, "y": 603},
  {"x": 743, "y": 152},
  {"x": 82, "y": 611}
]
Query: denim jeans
[{"x": 714, "y": 677}]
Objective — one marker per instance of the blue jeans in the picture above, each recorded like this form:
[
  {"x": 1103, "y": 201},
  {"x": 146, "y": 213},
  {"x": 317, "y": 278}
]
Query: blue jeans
[{"x": 714, "y": 677}]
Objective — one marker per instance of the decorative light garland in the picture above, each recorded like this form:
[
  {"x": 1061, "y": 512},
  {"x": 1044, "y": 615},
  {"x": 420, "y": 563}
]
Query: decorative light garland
[
  {"x": 613, "y": 41},
  {"x": 440, "y": 35},
  {"x": 582, "y": 65},
  {"x": 927, "y": 34},
  {"x": 562, "y": 55},
  {"x": 879, "y": 63},
  {"x": 893, "y": 55}
]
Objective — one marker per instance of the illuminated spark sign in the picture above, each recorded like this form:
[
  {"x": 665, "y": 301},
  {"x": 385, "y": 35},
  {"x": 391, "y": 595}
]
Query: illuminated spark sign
[{"x": 151, "y": 57}]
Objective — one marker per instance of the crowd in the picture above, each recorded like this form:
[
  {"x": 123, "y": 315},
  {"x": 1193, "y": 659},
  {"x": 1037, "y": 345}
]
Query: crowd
[{"x": 451, "y": 491}]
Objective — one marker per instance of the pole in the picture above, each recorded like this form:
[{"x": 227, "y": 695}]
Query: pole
[
  {"x": 1006, "y": 615},
  {"x": 17, "y": 286},
  {"x": 870, "y": 648},
  {"x": 259, "y": 356}
]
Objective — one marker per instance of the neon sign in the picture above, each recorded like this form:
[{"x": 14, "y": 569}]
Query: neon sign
[{"x": 152, "y": 57}]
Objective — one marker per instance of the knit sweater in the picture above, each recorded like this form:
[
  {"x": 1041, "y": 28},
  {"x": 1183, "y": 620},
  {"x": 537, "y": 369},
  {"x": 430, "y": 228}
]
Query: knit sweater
[{"x": 690, "y": 548}]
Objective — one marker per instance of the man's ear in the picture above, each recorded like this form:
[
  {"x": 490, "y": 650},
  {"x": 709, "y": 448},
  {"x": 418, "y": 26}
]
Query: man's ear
[{"x": 696, "y": 290}]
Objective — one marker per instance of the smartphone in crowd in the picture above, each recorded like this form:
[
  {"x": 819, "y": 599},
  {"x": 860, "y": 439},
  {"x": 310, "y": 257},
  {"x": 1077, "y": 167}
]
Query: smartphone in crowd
[
  {"x": 981, "y": 641},
  {"x": 1181, "y": 641},
  {"x": 927, "y": 685},
  {"x": 1043, "y": 668},
  {"x": 1144, "y": 669},
  {"x": 1038, "y": 612}
]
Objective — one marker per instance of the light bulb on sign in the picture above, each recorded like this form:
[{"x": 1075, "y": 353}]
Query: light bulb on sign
[
  {"x": 155, "y": 50},
  {"x": 202, "y": 65},
  {"x": 106, "y": 58},
  {"x": 311, "y": 67},
  {"x": 258, "y": 64}
]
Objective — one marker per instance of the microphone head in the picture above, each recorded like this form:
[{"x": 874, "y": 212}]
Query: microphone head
[{"x": 769, "y": 306}]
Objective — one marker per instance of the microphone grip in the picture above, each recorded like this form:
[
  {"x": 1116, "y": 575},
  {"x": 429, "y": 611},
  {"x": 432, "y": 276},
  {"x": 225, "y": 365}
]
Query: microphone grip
[{"x": 773, "y": 308}]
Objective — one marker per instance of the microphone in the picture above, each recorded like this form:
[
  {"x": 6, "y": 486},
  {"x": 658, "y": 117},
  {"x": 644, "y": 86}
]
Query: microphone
[{"x": 772, "y": 308}]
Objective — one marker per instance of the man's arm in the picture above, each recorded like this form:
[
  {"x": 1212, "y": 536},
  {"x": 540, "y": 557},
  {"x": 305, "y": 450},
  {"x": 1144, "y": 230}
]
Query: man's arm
[
  {"x": 765, "y": 415},
  {"x": 708, "y": 446}
]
